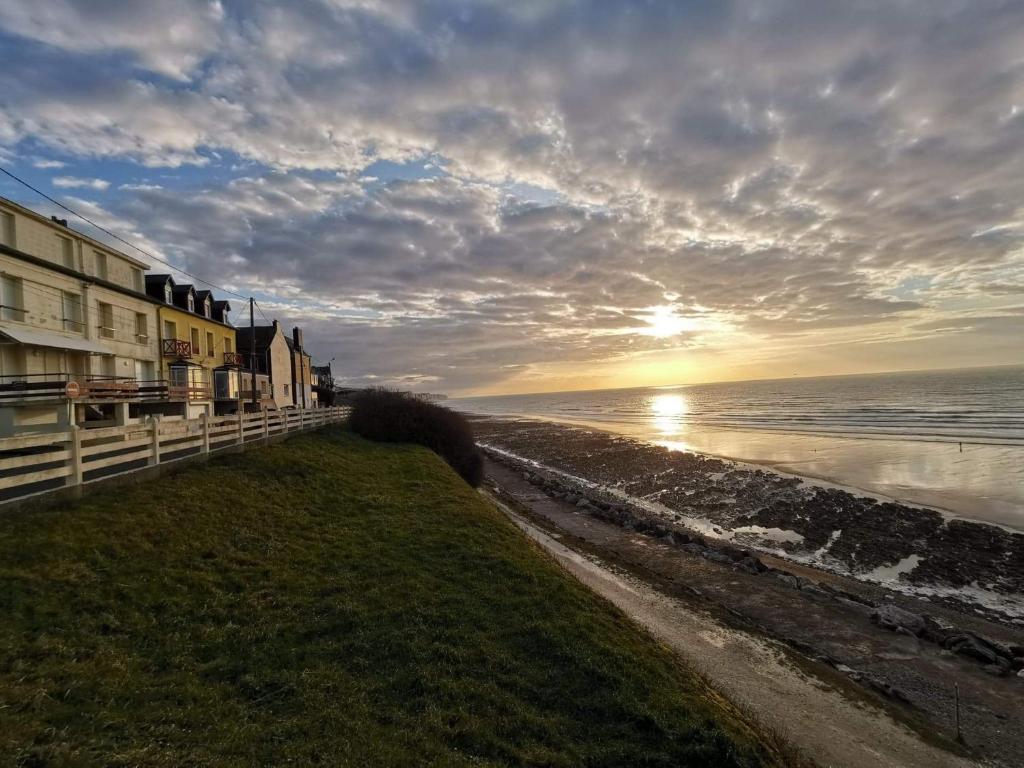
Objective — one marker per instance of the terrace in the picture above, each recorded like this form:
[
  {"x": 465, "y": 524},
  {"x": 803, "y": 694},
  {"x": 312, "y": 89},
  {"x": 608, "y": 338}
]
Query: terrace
[{"x": 21, "y": 389}]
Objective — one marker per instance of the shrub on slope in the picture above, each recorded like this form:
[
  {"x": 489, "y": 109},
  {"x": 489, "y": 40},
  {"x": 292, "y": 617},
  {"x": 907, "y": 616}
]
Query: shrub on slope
[{"x": 398, "y": 417}]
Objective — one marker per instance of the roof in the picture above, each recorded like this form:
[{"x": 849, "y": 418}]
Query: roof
[
  {"x": 37, "y": 338},
  {"x": 264, "y": 336}
]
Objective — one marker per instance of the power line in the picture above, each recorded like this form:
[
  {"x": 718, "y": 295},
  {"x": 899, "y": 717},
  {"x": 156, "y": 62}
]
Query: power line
[{"x": 119, "y": 238}]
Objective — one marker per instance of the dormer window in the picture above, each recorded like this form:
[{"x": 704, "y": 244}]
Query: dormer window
[
  {"x": 191, "y": 303},
  {"x": 168, "y": 293},
  {"x": 208, "y": 308}
]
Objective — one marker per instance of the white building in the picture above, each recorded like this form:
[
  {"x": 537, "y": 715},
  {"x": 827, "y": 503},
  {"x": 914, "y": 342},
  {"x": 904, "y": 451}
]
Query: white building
[{"x": 78, "y": 335}]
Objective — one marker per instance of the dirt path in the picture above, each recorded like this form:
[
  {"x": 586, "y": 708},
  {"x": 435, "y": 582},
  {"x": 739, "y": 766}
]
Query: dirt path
[{"x": 755, "y": 673}]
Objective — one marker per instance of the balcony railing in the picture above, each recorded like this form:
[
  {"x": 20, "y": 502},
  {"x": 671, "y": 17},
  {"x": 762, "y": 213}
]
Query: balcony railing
[
  {"x": 177, "y": 348},
  {"x": 190, "y": 392},
  {"x": 43, "y": 387},
  {"x": 233, "y": 358}
]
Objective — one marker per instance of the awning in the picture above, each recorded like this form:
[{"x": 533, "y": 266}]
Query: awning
[{"x": 36, "y": 338}]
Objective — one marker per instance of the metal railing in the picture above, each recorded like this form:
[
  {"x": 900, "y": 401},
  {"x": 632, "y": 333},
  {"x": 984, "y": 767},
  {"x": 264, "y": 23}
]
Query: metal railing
[
  {"x": 20, "y": 389},
  {"x": 41, "y": 464},
  {"x": 233, "y": 358}
]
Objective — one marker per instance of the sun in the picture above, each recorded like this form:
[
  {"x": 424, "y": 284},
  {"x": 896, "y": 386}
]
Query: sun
[{"x": 663, "y": 322}]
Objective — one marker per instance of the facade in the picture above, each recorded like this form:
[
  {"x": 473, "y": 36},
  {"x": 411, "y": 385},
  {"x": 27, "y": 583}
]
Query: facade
[
  {"x": 199, "y": 356},
  {"x": 78, "y": 334},
  {"x": 301, "y": 362},
  {"x": 265, "y": 350},
  {"x": 323, "y": 385}
]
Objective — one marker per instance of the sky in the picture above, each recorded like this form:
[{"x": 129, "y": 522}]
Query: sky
[{"x": 492, "y": 197}]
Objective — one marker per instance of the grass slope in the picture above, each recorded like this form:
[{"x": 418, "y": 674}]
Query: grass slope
[{"x": 325, "y": 601}]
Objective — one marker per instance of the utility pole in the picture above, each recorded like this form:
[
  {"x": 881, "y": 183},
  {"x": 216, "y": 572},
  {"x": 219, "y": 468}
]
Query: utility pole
[{"x": 252, "y": 351}]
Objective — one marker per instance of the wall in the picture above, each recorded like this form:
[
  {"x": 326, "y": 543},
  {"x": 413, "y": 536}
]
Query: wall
[{"x": 281, "y": 371}]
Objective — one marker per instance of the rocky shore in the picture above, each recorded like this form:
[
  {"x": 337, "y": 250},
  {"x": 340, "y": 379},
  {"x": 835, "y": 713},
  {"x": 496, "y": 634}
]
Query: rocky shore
[{"x": 725, "y": 508}]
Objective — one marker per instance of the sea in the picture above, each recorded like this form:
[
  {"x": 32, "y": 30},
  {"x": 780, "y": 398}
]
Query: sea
[{"x": 951, "y": 439}]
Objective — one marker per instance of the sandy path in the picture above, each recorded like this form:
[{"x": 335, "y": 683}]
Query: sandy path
[{"x": 750, "y": 671}]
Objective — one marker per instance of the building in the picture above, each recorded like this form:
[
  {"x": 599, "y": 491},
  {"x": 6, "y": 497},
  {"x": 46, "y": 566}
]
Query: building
[
  {"x": 323, "y": 385},
  {"x": 200, "y": 359},
  {"x": 78, "y": 333},
  {"x": 301, "y": 362},
  {"x": 265, "y": 350}
]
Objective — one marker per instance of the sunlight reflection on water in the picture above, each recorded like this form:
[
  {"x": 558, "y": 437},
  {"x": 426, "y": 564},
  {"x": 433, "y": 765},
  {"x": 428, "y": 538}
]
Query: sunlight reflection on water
[{"x": 668, "y": 412}]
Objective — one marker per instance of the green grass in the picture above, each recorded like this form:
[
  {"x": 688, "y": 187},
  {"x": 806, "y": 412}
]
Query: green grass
[{"x": 325, "y": 601}]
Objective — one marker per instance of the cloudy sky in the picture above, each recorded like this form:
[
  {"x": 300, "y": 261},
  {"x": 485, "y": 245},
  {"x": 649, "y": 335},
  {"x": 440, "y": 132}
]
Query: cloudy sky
[{"x": 531, "y": 196}]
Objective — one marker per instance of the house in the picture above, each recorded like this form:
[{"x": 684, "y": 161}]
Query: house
[
  {"x": 323, "y": 385},
  {"x": 266, "y": 353},
  {"x": 78, "y": 333},
  {"x": 302, "y": 383},
  {"x": 199, "y": 356}
]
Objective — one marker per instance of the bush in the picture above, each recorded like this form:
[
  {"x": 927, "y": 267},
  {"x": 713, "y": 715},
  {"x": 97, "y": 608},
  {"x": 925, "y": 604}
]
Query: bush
[{"x": 398, "y": 417}]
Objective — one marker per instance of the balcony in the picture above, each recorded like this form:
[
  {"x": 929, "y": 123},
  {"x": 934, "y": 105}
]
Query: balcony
[
  {"x": 177, "y": 348},
  {"x": 49, "y": 387},
  {"x": 190, "y": 392},
  {"x": 233, "y": 358}
]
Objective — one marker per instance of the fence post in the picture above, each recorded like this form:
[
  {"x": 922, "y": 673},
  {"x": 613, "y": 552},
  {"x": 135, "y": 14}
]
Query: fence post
[
  {"x": 154, "y": 421},
  {"x": 266, "y": 426},
  {"x": 75, "y": 478},
  {"x": 241, "y": 427},
  {"x": 204, "y": 423}
]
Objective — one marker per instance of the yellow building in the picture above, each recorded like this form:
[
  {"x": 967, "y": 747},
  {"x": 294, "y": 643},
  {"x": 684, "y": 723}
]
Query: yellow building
[{"x": 199, "y": 357}]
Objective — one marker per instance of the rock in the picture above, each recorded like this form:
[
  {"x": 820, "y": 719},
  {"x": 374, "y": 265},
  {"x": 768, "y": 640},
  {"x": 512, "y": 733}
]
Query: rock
[
  {"x": 788, "y": 579},
  {"x": 669, "y": 538},
  {"x": 717, "y": 557},
  {"x": 894, "y": 618},
  {"x": 978, "y": 648},
  {"x": 572, "y": 498},
  {"x": 694, "y": 548},
  {"x": 527, "y": 476},
  {"x": 937, "y": 631},
  {"x": 582, "y": 503},
  {"x": 752, "y": 565}
]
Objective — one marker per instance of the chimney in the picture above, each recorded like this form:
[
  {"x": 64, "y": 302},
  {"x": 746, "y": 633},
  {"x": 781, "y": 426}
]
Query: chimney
[
  {"x": 62, "y": 222},
  {"x": 276, "y": 326},
  {"x": 297, "y": 338}
]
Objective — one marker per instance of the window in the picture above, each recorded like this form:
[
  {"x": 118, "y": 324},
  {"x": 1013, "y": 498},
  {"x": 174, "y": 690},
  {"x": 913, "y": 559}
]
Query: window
[
  {"x": 227, "y": 344},
  {"x": 141, "y": 327},
  {"x": 137, "y": 280},
  {"x": 170, "y": 330},
  {"x": 211, "y": 347},
  {"x": 67, "y": 252},
  {"x": 7, "y": 228},
  {"x": 191, "y": 302},
  {"x": 208, "y": 307},
  {"x": 168, "y": 293},
  {"x": 196, "y": 349},
  {"x": 71, "y": 304},
  {"x": 12, "y": 298},
  {"x": 286, "y": 389},
  {"x": 100, "y": 260},
  {"x": 106, "y": 312}
]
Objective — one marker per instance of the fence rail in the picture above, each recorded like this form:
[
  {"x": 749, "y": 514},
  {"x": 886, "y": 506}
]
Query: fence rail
[{"x": 33, "y": 465}]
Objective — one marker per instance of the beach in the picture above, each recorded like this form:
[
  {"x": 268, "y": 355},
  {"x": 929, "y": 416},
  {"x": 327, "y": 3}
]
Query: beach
[{"x": 911, "y": 549}]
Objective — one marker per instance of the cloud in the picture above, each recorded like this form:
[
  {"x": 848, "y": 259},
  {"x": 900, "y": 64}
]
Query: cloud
[
  {"x": 70, "y": 182},
  {"x": 776, "y": 168}
]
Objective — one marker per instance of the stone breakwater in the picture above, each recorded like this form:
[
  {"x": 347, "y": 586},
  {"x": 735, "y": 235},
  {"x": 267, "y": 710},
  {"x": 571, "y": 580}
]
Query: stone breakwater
[
  {"x": 996, "y": 658},
  {"x": 964, "y": 564}
]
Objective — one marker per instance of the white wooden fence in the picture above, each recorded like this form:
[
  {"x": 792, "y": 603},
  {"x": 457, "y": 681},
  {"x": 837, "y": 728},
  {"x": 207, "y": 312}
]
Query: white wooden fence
[{"x": 43, "y": 463}]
